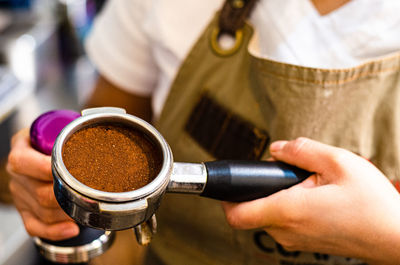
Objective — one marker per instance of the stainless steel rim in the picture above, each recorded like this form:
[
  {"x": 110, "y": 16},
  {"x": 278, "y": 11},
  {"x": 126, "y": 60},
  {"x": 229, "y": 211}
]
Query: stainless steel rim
[
  {"x": 75, "y": 254},
  {"x": 159, "y": 183}
]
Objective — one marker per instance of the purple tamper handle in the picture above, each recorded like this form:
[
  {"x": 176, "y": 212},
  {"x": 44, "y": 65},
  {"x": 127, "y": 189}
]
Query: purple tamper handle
[
  {"x": 45, "y": 129},
  {"x": 43, "y": 133}
]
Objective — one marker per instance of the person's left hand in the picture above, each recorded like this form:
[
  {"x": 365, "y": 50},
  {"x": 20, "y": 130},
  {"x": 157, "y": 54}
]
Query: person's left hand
[
  {"x": 31, "y": 186},
  {"x": 346, "y": 208}
]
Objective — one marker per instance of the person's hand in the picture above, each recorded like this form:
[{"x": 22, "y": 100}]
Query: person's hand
[
  {"x": 346, "y": 208},
  {"x": 31, "y": 186}
]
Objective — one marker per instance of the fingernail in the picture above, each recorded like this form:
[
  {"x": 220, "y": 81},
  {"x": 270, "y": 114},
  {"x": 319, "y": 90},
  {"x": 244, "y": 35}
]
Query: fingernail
[
  {"x": 276, "y": 146},
  {"x": 70, "y": 231}
]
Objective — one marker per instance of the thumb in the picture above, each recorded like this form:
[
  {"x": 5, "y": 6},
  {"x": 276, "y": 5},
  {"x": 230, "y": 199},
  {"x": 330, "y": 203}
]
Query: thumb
[{"x": 308, "y": 154}]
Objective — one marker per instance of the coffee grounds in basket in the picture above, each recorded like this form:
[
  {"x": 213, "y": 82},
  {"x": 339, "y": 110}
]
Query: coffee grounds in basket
[{"x": 112, "y": 158}]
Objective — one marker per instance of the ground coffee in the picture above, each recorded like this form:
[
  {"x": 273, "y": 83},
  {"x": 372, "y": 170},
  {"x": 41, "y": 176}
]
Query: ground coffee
[{"x": 113, "y": 158}]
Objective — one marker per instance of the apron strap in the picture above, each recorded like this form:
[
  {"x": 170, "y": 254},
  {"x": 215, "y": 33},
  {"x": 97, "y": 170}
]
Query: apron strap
[{"x": 233, "y": 15}]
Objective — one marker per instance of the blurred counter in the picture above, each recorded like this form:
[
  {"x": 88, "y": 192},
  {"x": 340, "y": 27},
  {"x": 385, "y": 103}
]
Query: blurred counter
[{"x": 15, "y": 245}]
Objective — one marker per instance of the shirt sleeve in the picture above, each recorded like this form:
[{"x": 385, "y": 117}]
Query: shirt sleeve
[{"x": 120, "y": 49}]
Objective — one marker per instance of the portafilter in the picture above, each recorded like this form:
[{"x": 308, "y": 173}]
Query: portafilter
[{"x": 222, "y": 180}]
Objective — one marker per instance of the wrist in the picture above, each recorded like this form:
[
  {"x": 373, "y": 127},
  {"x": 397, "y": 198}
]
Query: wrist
[{"x": 385, "y": 245}]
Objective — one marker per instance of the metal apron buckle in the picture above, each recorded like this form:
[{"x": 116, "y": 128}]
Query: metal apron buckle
[{"x": 221, "y": 51}]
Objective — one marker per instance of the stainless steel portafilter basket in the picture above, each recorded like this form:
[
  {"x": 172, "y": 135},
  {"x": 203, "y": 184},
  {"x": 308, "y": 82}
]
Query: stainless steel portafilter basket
[
  {"x": 223, "y": 180},
  {"x": 109, "y": 210}
]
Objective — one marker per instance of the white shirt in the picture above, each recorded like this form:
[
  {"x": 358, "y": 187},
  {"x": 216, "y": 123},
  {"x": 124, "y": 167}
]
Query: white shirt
[{"x": 139, "y": 45}]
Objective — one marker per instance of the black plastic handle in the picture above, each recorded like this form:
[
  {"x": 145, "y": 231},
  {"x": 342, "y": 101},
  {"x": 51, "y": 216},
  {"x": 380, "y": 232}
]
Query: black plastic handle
[{"x": 239, "y": 181}]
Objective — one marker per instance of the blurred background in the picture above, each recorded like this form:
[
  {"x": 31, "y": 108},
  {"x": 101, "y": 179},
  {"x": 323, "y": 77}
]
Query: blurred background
[{"x": 42, "y": 67}]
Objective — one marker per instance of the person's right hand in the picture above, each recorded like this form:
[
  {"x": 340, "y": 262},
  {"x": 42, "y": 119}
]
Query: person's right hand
[
  {"x": 347, "y": 208},
  {"x": 31, "y": 186}
]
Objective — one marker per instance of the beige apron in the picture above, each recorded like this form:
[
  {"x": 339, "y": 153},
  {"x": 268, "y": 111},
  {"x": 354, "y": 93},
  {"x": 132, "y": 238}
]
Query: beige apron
[{"x": 354, "y": 108}]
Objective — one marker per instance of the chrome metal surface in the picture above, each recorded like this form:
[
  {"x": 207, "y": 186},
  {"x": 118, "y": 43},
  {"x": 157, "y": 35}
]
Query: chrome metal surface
[
  {"x": 109, "y": 210},
  {"x": 187, "y": 178},
  {"x": 145, "y": 231},
  {"x": 75, "y": 254},
  {"x": 161, "y": 181},
  {"x": 100, "y": 110}
]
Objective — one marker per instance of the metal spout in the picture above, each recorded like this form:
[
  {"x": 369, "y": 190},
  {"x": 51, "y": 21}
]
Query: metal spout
[{"x": 145, "y": 231}]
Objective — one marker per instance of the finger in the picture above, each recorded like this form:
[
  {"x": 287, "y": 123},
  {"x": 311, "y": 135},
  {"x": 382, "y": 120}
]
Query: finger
[
  {"x": 24, "y": 160},
  {"x": 24, "y": 202},
  {"x": 58, "y": 231},
  {"x": 258, "y": 213},
  {"x": 311, "y": 182},
  {"x": 308, "y": 154},
  {"x": 39, "y": 191},
  {"x": 22, "y": 134},
  {"x": 47, "y": 215},
  {"x": 243, "y": 215}
]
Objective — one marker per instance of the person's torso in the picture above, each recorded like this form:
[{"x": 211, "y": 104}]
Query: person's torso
[
  {"x": 231, "y": 106},
  {"x": 290, "y": 32}
]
